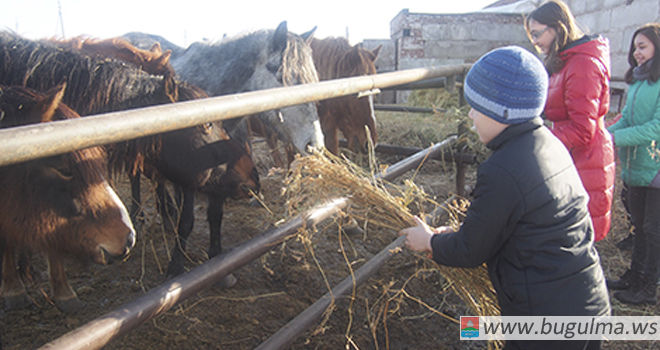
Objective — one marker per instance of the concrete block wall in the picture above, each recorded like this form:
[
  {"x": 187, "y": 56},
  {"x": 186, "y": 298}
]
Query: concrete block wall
[
  {"x": 616, "y": 20},
  {"x": 423, "y": 39}
]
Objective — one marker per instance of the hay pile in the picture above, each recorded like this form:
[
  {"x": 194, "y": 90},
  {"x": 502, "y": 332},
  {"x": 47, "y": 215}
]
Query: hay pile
[{"x": 377, "y": 204}]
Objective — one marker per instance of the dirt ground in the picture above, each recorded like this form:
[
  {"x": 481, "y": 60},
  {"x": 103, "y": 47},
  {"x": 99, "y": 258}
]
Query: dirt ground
[{"x": 403, "y": 306}]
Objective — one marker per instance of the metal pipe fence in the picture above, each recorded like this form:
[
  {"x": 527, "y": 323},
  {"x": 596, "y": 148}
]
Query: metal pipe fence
[{"x": 41, "y": 140}]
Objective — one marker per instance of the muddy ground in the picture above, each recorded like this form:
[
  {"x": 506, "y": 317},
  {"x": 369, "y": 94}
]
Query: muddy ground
[{"x": 404, "y": 306}]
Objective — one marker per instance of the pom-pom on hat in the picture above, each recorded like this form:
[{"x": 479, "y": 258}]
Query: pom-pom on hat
[{"x": 508, "y": 84}]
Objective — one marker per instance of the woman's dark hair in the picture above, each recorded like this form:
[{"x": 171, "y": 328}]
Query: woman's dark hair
[
  {"x": 556, "y": 15},
  {"x": 652, "y": 32}
]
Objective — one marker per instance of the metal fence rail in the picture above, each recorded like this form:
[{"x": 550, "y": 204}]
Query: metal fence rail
[
  {"x": 42, "y": 140},
  {"x": 97, "y": 333}
]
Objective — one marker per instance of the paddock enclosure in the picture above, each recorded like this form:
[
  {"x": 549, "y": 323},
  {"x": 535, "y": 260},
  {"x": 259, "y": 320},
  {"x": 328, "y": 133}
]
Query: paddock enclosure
[{"x": 405, "y": 304}]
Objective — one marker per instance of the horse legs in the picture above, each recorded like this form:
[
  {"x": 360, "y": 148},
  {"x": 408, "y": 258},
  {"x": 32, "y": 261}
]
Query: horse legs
[
  {"x": 137, "y": 215},
  {"x": 185, "y": 226},
  {"x": 64, "y": 297},
  {"x": 12, "y": 288},
  {"x": 214, "y": 213},
  {"x": 271, "y": 141},
  {"x": 166, "y": 207}
]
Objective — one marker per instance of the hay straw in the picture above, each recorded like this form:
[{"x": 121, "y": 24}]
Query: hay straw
[{"x": 323, "y": 176}]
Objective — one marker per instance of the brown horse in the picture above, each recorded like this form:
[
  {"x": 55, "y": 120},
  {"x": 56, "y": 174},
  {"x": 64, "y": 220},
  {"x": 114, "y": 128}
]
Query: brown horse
[
  {"x": 99, "y": 85},
  {"x": 62, "y": 205},
  {"x": 335, "y": 58},
  {"x": 152, "y": 61}
]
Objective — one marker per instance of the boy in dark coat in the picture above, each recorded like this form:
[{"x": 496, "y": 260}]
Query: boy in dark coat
[{"x": 528, "y": 220}]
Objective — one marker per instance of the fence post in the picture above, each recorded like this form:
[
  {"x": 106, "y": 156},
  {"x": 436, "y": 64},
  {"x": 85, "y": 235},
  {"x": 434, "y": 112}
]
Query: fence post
[{"x": 463, "y": 130}]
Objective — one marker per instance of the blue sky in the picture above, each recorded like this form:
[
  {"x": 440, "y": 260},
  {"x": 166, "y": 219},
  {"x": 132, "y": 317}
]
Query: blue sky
[{"x": 186, "y": 21}]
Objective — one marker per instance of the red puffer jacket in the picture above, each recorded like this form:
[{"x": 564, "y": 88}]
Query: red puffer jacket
[{"x": 578, "y": 99}]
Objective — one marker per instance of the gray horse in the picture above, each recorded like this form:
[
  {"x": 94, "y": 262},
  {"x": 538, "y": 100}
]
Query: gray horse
[{"x": 255, "y": 61}]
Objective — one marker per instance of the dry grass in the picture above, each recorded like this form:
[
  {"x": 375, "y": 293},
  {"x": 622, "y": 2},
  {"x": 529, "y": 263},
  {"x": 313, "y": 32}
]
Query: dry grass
[{"x": 383, "y": 207}]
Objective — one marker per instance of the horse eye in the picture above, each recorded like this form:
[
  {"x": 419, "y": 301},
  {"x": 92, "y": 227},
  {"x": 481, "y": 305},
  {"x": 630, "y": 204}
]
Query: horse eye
[{"x": 273, "y": 67}]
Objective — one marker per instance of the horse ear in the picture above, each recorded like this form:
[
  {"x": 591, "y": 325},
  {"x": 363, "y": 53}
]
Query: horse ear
[
  {"x": 307, "y": 36},
  {"x": 376, "y": 51},
  {"x": 164, "y": 58},
  {"x": 47, "y": 106},
  {"x": 155, "y": 48},
  {"x": 280, "y": 37}
]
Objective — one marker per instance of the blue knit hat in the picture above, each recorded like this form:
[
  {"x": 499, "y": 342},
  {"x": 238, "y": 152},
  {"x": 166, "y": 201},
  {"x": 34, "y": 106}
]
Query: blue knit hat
[{"x": 508, "y": 84}]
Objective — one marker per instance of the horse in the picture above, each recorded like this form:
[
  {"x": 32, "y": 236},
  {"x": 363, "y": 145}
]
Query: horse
[
  {"x": 335, "y": 58},
  {"x": 153, "y": 61},
  {"x": 99, "y": 85},
  {"x": 253, "y": 61},
  {"x": 235, "y": 179},
  {"x": 146, "y": 41},
  {"x": 61, "y": 205}
]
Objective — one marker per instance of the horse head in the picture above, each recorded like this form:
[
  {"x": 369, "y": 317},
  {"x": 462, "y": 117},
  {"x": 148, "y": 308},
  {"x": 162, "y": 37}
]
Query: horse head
[
  {"x": 238, "y": 178},
  {"x": 286, "y": 61},
  {"x": 359, "y": 62},
  {"x": 260, "y": 60},
  {"x": 335, "y": 58},
  {"x": 65, "y": 202}
]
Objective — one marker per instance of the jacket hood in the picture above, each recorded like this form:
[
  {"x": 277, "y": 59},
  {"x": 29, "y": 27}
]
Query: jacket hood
[{"x": 594, "y": 46}]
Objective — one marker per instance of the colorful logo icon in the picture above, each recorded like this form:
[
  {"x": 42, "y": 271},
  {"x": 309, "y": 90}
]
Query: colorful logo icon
[{"x": 469, "y": 326}]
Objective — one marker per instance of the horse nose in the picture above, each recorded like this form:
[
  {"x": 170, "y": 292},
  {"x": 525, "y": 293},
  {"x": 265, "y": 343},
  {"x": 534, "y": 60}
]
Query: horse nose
[
  {"x": 255, "y": 180},
  {"x": 130, "y": 241}
]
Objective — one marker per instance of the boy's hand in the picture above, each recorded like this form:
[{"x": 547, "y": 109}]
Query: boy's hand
[{"x": 418, "y": 237}]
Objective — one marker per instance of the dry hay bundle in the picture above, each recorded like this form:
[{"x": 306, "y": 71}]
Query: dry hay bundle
[{"x": 322, "y": 176}]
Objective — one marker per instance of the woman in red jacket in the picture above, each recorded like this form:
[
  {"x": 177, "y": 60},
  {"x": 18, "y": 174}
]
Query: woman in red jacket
[{"x": 578, "y": 99}]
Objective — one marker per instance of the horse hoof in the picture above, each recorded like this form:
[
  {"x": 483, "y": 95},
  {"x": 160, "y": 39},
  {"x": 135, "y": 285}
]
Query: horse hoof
[
  {"x": 69, "y": 306},
  {"x": 227, "y": 281},
  {"x": 174, "y": 270},
  {"x": 17, "y": 302},
  {"x": 353, "y": 230},
  {"x": 254, "y": 203}
]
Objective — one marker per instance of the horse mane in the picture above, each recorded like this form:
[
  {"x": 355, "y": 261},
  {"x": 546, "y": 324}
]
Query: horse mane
[
  {"x": 94, "y": 86},
  {"x": 299, "y": 55},
  {"x": 240, "y": 53}
]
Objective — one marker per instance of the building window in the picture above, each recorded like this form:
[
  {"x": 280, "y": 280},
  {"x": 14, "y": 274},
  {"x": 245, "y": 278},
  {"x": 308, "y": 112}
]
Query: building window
[{"x": 406, "y": 32}]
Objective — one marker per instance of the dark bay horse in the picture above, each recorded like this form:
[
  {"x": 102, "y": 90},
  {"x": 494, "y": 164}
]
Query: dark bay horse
[
  {"x": 98, "y": 85},
  {"x": 335, "y": 58},
  {"x": 62, "y": 205},
  {"x": 254, "y": 61}
]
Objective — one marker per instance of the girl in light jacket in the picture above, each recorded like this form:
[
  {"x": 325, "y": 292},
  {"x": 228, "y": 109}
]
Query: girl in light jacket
[
  {"x": 578, "y": 99},
  {"x": 637, "y": 136}
]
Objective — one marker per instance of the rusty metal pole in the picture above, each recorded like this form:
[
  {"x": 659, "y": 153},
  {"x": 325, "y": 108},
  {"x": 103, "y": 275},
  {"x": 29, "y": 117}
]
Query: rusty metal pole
[
  {"x": 47, "y": 139},
  {"x": 286, "y": 335},
  {"x": 404, "y": 165},
  {"x": 97, "y": 333},
  {"x": 290, "y": 332}
]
